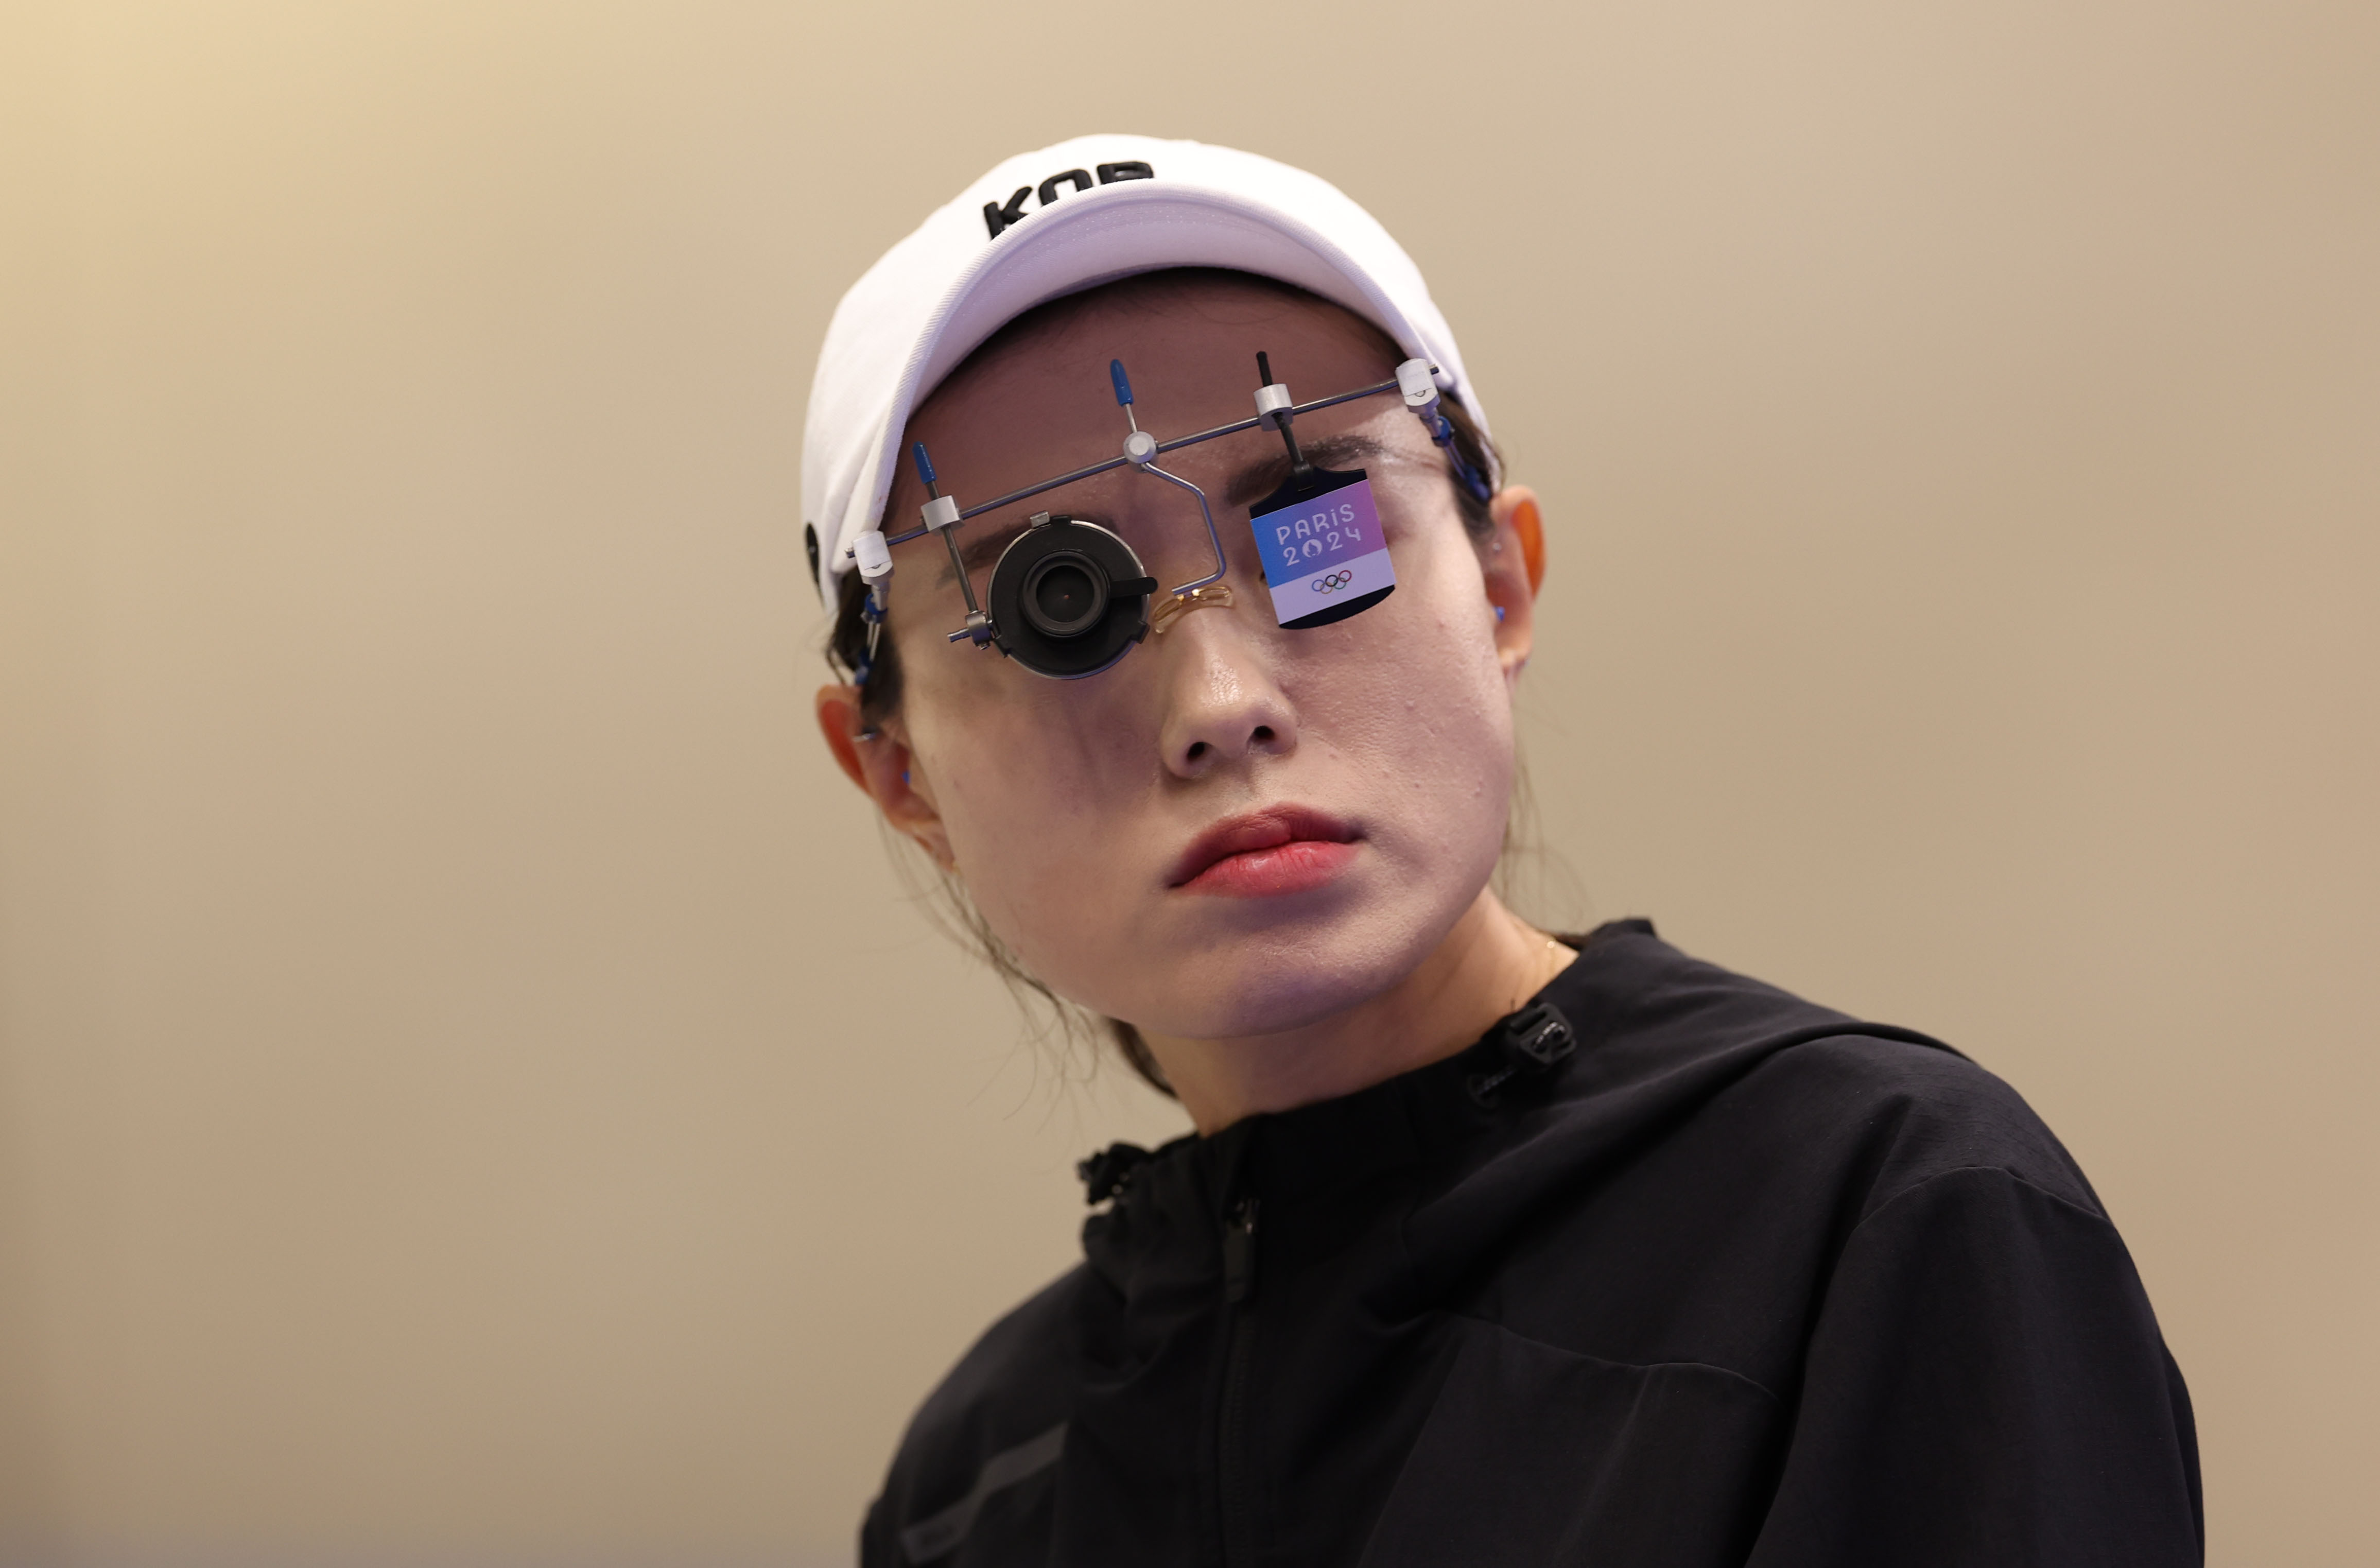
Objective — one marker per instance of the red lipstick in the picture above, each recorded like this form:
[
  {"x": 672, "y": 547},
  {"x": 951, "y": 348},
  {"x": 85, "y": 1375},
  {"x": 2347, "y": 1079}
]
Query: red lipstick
[{"x": 1279, "y": 850}]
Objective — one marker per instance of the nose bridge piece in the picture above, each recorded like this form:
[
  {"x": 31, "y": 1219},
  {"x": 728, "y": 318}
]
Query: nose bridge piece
[{"x": 1214, "y": 596}]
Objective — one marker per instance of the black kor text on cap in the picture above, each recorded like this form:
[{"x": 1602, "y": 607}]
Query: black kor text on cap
[{"x": 996, "y": 217}]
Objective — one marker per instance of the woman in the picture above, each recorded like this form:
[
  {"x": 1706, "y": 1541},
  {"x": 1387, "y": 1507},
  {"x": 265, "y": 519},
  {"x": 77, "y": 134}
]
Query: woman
[{"x": 1490, "y": 1247}]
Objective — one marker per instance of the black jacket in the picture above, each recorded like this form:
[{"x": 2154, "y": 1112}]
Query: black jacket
[{"x": 1735, "y": 1280}]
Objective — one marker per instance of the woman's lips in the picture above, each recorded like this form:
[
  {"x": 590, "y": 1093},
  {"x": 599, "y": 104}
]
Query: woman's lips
[{"x": 1286, "y": 849}]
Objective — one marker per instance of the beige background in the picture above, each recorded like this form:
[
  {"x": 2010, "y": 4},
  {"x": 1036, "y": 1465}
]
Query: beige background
[{"x": 469, "y": 1088}]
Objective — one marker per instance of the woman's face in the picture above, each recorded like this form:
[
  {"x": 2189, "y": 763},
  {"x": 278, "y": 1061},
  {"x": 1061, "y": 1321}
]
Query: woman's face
[{"x": 1360, "y": 771}]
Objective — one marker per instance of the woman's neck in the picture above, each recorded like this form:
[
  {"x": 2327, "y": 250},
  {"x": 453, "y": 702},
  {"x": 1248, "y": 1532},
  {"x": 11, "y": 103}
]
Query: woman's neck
[{"x": 1489, "y": 963}]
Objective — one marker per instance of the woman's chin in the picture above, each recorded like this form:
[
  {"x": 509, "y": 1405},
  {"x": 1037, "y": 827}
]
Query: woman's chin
[{"x": 1276, "y": 980}]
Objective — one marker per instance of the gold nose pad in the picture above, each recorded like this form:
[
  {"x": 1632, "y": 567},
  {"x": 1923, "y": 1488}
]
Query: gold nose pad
[{"x": 1174, "y": 609}]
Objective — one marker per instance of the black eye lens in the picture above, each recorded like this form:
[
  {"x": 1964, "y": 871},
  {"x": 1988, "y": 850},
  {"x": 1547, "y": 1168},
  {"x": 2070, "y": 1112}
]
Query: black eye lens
[
  {"x": 1068, "y": 598},
  {"x": 1065, "y": 595}
]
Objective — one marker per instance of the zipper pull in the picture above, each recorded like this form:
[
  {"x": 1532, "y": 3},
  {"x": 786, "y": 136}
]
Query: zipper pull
[{"x": 1240, "y": 1251}]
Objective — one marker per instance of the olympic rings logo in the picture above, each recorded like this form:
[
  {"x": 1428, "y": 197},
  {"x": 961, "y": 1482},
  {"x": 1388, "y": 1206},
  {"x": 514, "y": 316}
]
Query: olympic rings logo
[{"x": 1333, "y": 583}]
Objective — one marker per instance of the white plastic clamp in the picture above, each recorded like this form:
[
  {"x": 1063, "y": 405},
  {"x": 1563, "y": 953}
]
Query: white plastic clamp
[
  {"x": 1417, "y": 379},
  {"x": 941, "y": 512},
  {"x": 872, "y": 555}
]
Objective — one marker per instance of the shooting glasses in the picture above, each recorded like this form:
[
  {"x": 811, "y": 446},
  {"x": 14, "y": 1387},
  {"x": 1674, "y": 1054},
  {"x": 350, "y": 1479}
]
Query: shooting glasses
[{"x": 1068, "y": 598}]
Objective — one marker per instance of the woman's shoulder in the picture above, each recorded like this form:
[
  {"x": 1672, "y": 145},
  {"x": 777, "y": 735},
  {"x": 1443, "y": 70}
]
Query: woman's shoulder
[
  {"x": 1018, "y": 1371},
  {"x": 1761, "y": 1080},
  {"x": 1001, "y": 1410},
  {"x": 1904, "y": 1114},
  {"x": 1684, "y": 1187}
]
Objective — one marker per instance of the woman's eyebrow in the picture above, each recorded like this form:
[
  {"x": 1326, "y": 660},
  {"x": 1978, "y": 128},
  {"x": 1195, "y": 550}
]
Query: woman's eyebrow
[
  {"x": 980, "y": 550},
  {"x": 1259, "y": 480}
]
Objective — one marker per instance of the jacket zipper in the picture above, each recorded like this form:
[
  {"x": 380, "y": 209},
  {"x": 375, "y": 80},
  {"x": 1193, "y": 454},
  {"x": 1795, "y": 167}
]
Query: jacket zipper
[{"x": 1236, "y": 1485}]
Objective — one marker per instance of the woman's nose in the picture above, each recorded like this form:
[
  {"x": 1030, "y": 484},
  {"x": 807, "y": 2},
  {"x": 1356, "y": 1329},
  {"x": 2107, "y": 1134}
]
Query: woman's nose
[{"x": 1222, "y": 705}]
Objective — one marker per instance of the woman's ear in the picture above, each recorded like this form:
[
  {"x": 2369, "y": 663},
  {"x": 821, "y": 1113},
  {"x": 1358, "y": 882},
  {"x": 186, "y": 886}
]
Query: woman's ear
[
  {"x": 1514, "y": 567},
  {"x": 880, "y": 763}
]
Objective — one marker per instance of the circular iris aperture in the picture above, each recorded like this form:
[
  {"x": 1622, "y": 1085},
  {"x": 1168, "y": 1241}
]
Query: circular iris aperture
[
  {"x": 1068, "y": 598},
  {"x": 1065, "y": 594}
]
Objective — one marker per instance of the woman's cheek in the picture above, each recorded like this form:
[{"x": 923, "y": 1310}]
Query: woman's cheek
[{"x": 1022, "y": 838}]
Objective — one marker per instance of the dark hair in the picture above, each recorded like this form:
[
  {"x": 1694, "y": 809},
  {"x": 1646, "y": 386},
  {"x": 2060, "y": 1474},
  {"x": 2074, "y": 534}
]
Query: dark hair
[{"x": 881, "y": 697}]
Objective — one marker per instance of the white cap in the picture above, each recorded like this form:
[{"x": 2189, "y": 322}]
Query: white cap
[{"x": 1051, "y": 223}]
